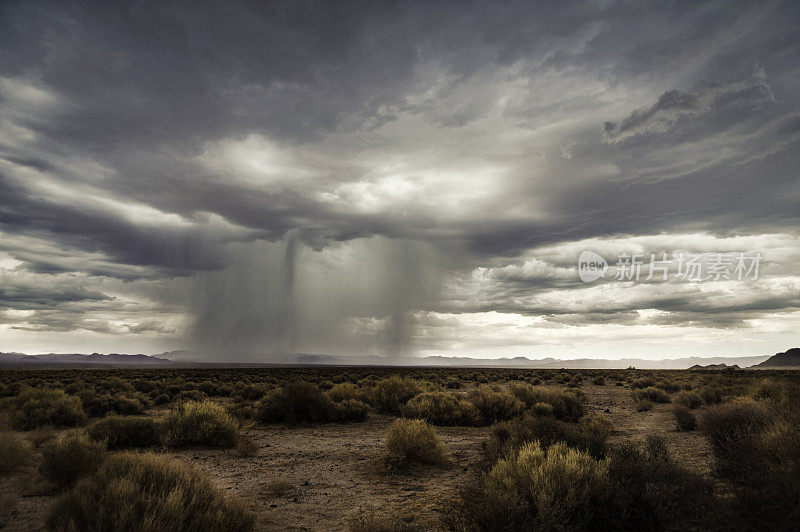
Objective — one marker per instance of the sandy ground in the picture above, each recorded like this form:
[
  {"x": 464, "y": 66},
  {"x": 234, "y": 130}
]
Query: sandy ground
[{"x": 333, "y": 473}]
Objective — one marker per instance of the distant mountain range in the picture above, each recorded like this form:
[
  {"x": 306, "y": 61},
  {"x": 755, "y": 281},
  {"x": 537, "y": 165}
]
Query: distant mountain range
[
  {"x": 189, "y": 359},
  {"x": 787, "y": 359}
]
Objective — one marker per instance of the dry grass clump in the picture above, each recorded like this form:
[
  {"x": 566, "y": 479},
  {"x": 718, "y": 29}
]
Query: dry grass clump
[
  {"x": 689, "y": 399},
  {"x": 192, "y": 423},
  {"x": 684, "y": 417},
  {"x": 390, "y": 394},
  {"x": 413, "y": 441},
  {"x": 125, "y": 432},
  {"x": 14, "y": 452},
  {"x": 35, "y": 408},
  {"x": 71, "y": 457},
  {"x": 143, "y": 492},
  {"x": 442, "y": 408},
  {"x": 304, "y": 402}
]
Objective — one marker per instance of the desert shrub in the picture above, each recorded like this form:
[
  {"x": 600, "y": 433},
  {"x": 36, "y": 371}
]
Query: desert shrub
[
  {"x": 205, "y": 423},
  {"x": 142, "y": 492},
  {"x": 40, "y": 436},
  {"x": 304, "y": 402},
  {"x": 644, "y": 405},
  {"x": 66, "y": 460},
  {"x": 344, "y": 391},
  {"x": 729, "y": 423},
  {"x": 567, "y": 405},
  {"x": 390, "y": 394},
  {"x": 251, "y": 392},
  {"x": 542, "y": 409},
  {"x": 590, "y": 435},
  {"x": 351, "y": 410},
  {"x": 684, "y": 417},
  {"x": 162, "y": 399},
  {"x": 689, "y": 399},
  {"x": 413, "y": 441},
  {"x": 599, "y": 381},
  {"x": 13, "y": 452},
  {"x": 650, "y": 491},
  {"x": 657, "y": 395},
  {"x": 191, "y": 395},
  {"x": 37, "y": 408},
  {"x": 495, "y": 404},
  {"x": 646, "y": 382},
  {"x": 711, "y": 395},
  {"x": 442, "y": 408},
  {"x": 535, "y": 488},
  {"x": 125, "y": 405},
  {"x": 125, "y": 432}
]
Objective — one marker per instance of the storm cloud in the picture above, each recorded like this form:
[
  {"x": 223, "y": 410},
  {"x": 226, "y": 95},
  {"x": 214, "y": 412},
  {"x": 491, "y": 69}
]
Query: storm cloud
[{"x": 246, "y": 179}]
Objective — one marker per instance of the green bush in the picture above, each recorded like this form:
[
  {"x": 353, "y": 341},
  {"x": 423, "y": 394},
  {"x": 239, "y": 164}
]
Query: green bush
[
  {"x": 37, "y": 408},
  {"x": 125, "y": 432},
  {"x": 413, "y": 441},
  {"x": 69, "y": 458},
  {"x": 143, "y": 492},
  {"x": 442, "y": 408},
  {"x": 205, "y": 423},
  {"x": 14, "y": 452},
  {"x": 390, "y": 394},
  {"x": 689, "y": 399},
  {"x": 684, "y": 417}
]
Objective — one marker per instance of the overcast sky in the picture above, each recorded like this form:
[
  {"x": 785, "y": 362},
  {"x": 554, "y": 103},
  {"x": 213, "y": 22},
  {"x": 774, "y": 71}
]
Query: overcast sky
[{"x": 397, "y": 178}]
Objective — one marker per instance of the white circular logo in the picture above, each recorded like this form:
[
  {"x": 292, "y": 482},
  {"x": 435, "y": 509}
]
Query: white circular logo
[{"x": 591, "y": 266}]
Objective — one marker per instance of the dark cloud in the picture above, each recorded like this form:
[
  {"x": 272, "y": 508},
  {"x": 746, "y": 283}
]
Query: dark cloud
[{"x": 241, "y": 145}]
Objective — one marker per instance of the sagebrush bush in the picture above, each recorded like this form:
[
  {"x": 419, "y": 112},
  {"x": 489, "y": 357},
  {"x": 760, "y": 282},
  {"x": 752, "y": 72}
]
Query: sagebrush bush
[
  {"x": 206, "y": 423},
  {"x": 495, "y": 403},
  {"x": 35, "y": 408},
  {"x": 344, "y": 391},
  {"x": 14, "y": 452},
  {"x": 684, "y": 417},
  {"x": 442, "y": 408},
  {"x": 98, "y": 405},
  {"x": 69, "y": 458},
  {"x": 304, "y": 402},
  {"x": 390, "y": 394},
  {"x": 689, "y": 399},
  {"x": 728, "y": 423},
  {"x": 644, "y": 405},
  {"x": 125, "y": 432},
  {"x": 145, "y": 492},
  {"x": 561, "y": 488},
  {"x": 566, "y": 405},
  {"x": 413, "y": 441},
  {"x": 590, "y": 435},
  {"x": 657, "y": 395},
  {"x": 543, "y": 489}
]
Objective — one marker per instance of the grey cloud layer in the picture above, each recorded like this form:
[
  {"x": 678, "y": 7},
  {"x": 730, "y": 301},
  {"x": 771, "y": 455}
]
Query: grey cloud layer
[{"x": 154, "y": 140}]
